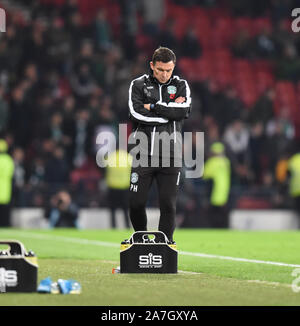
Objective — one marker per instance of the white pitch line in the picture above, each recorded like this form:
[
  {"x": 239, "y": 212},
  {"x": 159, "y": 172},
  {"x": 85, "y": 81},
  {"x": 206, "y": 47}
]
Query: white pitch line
[
  {"x": 43, "y": 236},
  {"x": 115, "y": 245},
  {"x": 196, "y": 254}
]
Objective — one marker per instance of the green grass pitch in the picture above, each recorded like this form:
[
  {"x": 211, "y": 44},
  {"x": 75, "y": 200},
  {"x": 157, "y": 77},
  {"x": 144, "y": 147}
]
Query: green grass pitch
[{"x": 239, "y": 269}]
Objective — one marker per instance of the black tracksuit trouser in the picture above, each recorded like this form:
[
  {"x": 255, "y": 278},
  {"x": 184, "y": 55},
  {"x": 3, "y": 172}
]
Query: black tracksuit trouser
[{"x": 167, "y": 179}]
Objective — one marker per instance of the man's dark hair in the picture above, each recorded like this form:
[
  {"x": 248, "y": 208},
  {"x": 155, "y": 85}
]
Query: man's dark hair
[{"x": 164, "y": 55}]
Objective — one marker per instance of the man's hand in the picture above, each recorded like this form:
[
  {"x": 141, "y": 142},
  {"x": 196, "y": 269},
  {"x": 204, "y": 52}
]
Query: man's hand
[
  {"x": 147, "y": 107},
  {"x": 180, "y": 99}
]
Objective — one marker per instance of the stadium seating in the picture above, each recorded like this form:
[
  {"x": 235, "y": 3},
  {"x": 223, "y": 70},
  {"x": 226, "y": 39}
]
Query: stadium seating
[{"x": 216, "y": 29}]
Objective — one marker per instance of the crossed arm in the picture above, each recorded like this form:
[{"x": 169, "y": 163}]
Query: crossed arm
[
  {"x": 179, "y": 99},
  {"x": 160, "y": 112}
]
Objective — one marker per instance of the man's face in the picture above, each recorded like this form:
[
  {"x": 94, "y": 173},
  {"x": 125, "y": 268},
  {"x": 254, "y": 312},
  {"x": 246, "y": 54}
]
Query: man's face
[{"x": 162, "y": 71}]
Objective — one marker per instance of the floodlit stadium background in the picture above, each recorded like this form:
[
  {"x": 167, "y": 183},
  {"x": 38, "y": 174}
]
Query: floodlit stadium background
[{"x": 65, "y": 70}]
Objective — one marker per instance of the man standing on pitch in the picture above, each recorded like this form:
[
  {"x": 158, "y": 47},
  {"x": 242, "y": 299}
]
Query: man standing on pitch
[{"x": 158, "y": 104}]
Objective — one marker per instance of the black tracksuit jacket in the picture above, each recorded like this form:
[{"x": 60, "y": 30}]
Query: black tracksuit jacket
[{"x": 166, "y": 116}]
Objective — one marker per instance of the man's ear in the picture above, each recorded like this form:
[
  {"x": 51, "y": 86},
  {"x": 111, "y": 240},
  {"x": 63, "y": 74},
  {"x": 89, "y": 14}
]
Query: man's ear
[{"x": 151, "y": 65}]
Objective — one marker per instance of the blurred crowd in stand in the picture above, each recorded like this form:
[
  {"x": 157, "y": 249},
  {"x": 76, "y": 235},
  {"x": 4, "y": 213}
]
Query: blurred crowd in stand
[{"x": 65, "y": 70}]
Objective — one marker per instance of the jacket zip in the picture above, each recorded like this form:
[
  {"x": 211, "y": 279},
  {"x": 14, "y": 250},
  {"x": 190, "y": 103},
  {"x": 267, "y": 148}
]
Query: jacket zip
[
  {"x": 154, "y": 128},
  {"x": 160, "y": 96}
]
